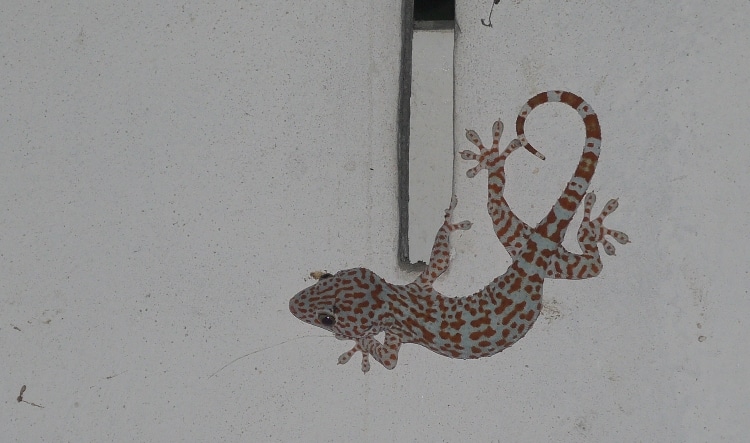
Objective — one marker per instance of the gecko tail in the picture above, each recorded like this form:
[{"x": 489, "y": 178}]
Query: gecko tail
[{"x": 554, "y": 224}]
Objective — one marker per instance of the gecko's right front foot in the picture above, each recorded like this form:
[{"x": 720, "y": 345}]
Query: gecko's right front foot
[
  {"x": 448, "y": 224},
  {"x": 488, "y": 158},
  {"x": 441, "y": 251}
]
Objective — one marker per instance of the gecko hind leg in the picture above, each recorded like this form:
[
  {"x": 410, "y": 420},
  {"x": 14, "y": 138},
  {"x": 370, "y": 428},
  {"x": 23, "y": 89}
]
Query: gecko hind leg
[
  {"x": 509, "y": 228},
  {"x": 566, "y": 265},
  {"x": 440, "y": 256}
]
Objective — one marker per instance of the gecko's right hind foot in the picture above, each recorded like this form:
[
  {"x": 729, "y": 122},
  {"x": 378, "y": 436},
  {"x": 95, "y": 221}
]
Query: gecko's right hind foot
[{"x": 593, "y": 231}]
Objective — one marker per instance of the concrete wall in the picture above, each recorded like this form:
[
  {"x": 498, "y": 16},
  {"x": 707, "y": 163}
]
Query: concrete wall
[{"x": 172, "y": 173}]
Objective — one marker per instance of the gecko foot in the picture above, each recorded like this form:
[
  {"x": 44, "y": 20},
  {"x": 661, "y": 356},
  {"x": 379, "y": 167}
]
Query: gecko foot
[
  {"x": 346, "y": 356},
  {"x": 488, "y": 158},
  {"x": 464, "y": 225},
  {"x": 440, "y": 255},
  {"x": 592, "y": 232}
]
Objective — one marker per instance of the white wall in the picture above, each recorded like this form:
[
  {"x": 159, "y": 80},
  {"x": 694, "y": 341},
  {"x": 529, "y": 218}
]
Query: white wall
[{"x": 171, "y": 174}]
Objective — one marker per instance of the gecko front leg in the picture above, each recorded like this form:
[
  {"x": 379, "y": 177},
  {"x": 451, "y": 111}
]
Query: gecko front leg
[
  {"x": 440, "y": 256},
  {"x": 346, "y": 356},
  {"x": 384, "y": 353}
]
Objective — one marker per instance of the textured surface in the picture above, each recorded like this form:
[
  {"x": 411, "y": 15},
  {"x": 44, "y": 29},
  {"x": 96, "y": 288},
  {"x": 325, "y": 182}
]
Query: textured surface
[
  {"x": 173, "y": 171},
  {"x": 357, "y": 304}
]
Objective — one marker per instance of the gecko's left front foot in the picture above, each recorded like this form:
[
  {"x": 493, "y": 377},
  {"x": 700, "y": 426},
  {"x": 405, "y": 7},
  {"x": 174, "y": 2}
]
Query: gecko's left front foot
[
  {"x": 385, "y": 353},
  {"x": 346, "y": 356},
  {"x": 592, "y": 232}
]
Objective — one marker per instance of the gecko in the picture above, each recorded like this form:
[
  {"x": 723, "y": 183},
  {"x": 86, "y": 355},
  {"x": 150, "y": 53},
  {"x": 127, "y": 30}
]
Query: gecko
[{"x": 357, "y": 304}]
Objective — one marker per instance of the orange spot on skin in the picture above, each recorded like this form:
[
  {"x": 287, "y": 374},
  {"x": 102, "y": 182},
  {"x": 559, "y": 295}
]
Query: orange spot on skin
[
  {"x": 504, "y": 304},
  {"x": 487, "y": 332},
  {"x": 516, "y": 285},
  {"x": 516, "y": 309},
  {"x": 480, "y": 321},
  {"x": 447, "y": 336},
  {"x": 458, "y": 322},
  {"x": 570, "y": 99},
  {"x": 593, "y": 130}
]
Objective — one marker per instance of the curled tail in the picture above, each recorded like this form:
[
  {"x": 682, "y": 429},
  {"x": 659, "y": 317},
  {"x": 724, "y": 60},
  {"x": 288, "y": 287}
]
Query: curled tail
[{"x": 554, "y": 224}]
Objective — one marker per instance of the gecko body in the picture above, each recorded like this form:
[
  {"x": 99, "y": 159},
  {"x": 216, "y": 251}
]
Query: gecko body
[{"x": 357, "y": 304}]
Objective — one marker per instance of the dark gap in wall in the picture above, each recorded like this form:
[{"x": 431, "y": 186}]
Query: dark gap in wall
[{"x": 434, "y": 10}]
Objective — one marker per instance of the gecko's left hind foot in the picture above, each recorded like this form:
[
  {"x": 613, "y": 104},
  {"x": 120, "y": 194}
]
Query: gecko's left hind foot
[
  {"x": 488, "y": 158},
  {"x": 592, "y": 232}
]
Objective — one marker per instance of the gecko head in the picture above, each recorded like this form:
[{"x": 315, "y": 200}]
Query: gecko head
[{"x": 345, "y": 303}]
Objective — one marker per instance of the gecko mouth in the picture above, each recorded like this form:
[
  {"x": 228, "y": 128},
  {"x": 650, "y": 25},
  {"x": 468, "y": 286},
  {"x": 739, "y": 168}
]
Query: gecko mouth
[{"x": 367, "y": 333}]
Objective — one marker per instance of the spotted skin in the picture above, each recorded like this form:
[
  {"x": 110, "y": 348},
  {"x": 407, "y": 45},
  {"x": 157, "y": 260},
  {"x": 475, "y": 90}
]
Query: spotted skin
[{"x": 356, "y": 304}]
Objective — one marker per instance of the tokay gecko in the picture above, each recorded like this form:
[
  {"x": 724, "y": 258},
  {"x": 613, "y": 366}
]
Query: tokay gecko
[{"x": 356, "y": 304}]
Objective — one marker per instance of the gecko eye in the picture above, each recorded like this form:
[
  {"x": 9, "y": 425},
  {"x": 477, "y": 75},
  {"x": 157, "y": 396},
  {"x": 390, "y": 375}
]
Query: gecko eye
[
  {"x": 326, "y": 319},
  {"x": 326, "y": 275}
]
